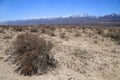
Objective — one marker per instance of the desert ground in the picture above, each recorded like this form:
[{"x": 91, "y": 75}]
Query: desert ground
[{"x": 82, "y": 53}]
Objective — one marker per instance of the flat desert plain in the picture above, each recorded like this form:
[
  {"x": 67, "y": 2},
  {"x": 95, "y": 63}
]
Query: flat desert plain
[{"x": 82, "y": 53}]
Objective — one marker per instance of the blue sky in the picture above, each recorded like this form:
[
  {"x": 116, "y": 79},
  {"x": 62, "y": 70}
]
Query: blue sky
[{"x": 27, "y": 9}]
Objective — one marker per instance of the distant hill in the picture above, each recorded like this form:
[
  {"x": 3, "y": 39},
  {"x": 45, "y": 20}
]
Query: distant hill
[{"x": 73, "y": 19}]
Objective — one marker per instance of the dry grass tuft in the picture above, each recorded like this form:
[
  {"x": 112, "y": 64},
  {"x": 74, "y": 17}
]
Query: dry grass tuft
[{"x": 80, "y": 53}]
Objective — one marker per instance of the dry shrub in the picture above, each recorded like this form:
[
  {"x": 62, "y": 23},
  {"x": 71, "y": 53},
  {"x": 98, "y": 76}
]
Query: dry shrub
[
  {"x": 2, "y": 30},
  {"x": 62, "y": 35},
  {"x": 53, "y": 28},
  {"x": 80, "y": 53},
  {"x": 52, "y": 34},
  {"x": 5, "y": 27},
  {"x": 100, "y": 31},
  {"x": 18, "y": 28},
  {"x": 43, "y": 30},
  {"x": 77, "y": 34},
  {"x": 1, "y": 57},
  {"x": 34, "y": 30},
  {"x": 114, "y": 34},
  {"x": 49, "y": 31},
  {"x": 7, "y": 37},
  {"x": 32, "y": 54}
]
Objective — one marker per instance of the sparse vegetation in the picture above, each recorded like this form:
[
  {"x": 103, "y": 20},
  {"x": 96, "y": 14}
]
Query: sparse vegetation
[
  {"x": 34, "y": 30},
  {"x": 18, "y": 28},
  {"x": 80, "y": 53},
  {"x": 2, "y": 30},
  {"x": 52, "y": 34},
  {"x": 62, "y": 35},
  {"x": 85, "y": 51},
  {"x": 7, "y": 37},
  {"x": 114, "y": 34},
  {"x": 77, "y": 34},
  {"x": 1, "y": 57}
]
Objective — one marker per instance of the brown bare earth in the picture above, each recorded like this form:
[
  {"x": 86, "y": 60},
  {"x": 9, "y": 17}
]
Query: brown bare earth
[{"x": 82, "y": 53}]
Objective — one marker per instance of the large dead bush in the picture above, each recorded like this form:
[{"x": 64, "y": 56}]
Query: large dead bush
[{"x": 32, "y": 54}]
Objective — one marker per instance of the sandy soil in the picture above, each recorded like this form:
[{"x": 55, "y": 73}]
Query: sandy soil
[{"x": 88, "y": 56}]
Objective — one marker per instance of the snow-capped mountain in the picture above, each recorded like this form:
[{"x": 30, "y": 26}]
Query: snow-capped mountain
[{"x": 71, "y": 19}]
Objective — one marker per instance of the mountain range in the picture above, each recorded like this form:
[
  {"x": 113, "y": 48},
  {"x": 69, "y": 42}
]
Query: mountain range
[{"x": 80, "y": 19}]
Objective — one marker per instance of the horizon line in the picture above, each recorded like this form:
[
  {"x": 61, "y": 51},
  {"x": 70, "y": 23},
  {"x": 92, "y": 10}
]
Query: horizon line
[{"x": 65, "y": 16}]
